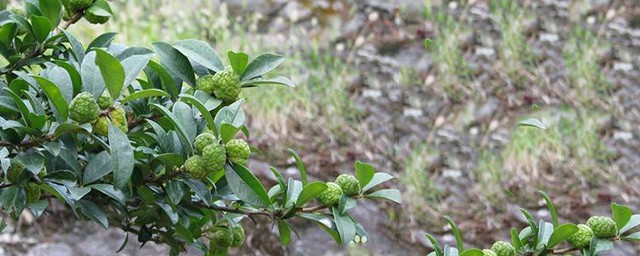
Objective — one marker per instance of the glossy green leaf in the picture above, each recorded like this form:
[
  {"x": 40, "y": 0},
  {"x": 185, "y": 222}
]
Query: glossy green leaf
[
  {"x": 545, "y": 230},
  {"x": 344, "y": 224},
  {"x": 51, "y": 9},
  {"x": 164, "y": 78},
  {"x": 294, "y": 188},
  {"x": 261, "y": 65},
  {"x": 300, "y": 165},
  {"x": 121, "y": 156},
  {"x": 175, "y": 62},
  {"x": 346, "y": 203},
  {"x": 110, "y": 191},
  {"x": 145, "y": 94},
  {"x": 102, "y": 41},
  {"x": 76, "y": 46},
  {"x": 61, "y": 106},
  {"x": 93, "y": 211},
  {"x": 434, "y": 243},
  {"x": 551, "y": 207},
  {"x": 41, "y": 27},
  {"x": 92, "y": 81},
  {"x": 364, "y": 173},
  {"x": 310, "y": 191},
  {"x": 98, "y": 167},
  {"x": 201, "y": 108},
  {"x": 621, "y": 215},
  {"x": 200, "y": 189},
  {"x": 378, "y": 178},
  {"x": 561, "y": 233},
  {"x": 456, "y": 233},
  {"x": 246, "y": 185},
  {"x": 515, "y": 239},
  {"x": 133, "y": 66},
  {"x": 279, "y": 80},
  {"x": 112, "y": 72},
  {"x": 633, "y": 222},
  {"x": 201, "y": 53},
  {"x": 387, "y": 194},
  {"x": 182, "y": 132},
  {"x": 284, "y": 230},
  {"x": 239, "y": 61}
]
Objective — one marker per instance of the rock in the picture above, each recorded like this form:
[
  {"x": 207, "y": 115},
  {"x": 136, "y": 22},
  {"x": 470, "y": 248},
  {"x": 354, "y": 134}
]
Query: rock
[{"x": 51, "y": 249}]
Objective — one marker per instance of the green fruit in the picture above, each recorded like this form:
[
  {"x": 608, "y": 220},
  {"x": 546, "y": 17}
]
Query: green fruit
[
  {"x": 603, "y": 227},
  {"x": 238, "y": 236},
  {"x": 502, "y": 248},
  {"x": 582, "y": 238},
  {"x": 203, "y": 140},
  {"x": 15, "y": 169},
  {"x": 195, "y": 167},
  {"x": 488, "y": 252},
  {"x": 206, "y": 84},
  {"x": 105, "y": 101},
  {"x": 95, "y": 19},
  {"x": 78, "y": 5},
  {"x": 223, "y": 238},
  {"x": 101, "y": 127},
  {"x": 119, "y": 118},
  {"x": 83, "y": 108},
  {"x": 331, "y": 196},
  {"x": 349, "y": 184},
  {"x": 214, "y": 157},
  {"x": 227, "y": 85},
  {"x": 33, "y": 193},
  {"x": 238, "y": 151}
]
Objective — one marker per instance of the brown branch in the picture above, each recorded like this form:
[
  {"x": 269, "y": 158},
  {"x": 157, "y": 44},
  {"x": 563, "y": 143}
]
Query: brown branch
[
  {"x": 237, "y": 210},
  {"x": 312, "y": 209},
  {"x": 29, "y": 143},
  {"x": 75, "y": 18}
]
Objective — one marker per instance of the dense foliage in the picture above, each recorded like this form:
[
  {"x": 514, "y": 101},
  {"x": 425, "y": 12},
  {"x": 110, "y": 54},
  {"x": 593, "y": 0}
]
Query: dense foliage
[{"x": 148, "y": 140}]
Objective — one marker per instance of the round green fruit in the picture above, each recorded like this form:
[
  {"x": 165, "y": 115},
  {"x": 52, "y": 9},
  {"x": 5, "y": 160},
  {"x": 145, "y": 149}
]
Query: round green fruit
[
  {"x": 83, "y": 108},
  {"x": 105, "y": 101},
  {"x": 119, "y": 118},
  {"x": 206, "y": 84},
  {"x": 95, "y": 19},
  {"x": 349, "y": 184},
  {"x": 603, "y": 227},
  {"x": 195, "y": 167},
  {"x": 238, "y": 236},
  {"x": 238, "y": 151},
  {"x": 487, "y": 252},
  {"x": 78, "y": 5},
  {"x": 227, "y": 85},
  {"x": 15, "y": 169},
  {"x": 33, "y": 193},
  {"x": 214, "y": 157},
  {"x": 582, "y": 238},
  {"x": 502, "y": 248},
  {"x": 331, "y": 196},
  {"x": 101, "y": 127},
  {"x": 223, "y": 238},
  {"x": 203, "y": 140}
]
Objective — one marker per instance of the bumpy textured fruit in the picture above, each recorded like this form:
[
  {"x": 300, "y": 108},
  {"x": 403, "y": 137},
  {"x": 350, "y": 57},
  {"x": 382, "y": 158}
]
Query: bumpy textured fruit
[
  {"x": 33, "y": 193},
  {"x": 206, "y": 84},
  {"x": 195, "y": 167},
  {"x": 502, "y": 248},
  {"x": 331, "y": 196},
  {"x": 238, "y": 236},
  {"x": 214, "y": 157},
  {"x": 349, "y": 184},
  {"x": 488, "y": 252},
  {"x": 227, "y": 85},
  {"x": 203, "y": 140},
  {"x": 95, "y": 19},
  {"x": 223, "y": 238},
  {"x": 105, "y": 101},
  {"x": 101, "y": 127},
  {"x": 238, "y": 151},
  {"x": 119, "y": 119},
  {"x": 83, "y": 108},
  {"x": 76, "y": 5},
  {"x": 582, "y": 238},
  {"x": 15, "y": 169},
  {"x": 603, "y": 227}
]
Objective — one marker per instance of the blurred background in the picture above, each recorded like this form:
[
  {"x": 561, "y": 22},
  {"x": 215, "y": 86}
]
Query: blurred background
[{"x": 439, "y": 116}]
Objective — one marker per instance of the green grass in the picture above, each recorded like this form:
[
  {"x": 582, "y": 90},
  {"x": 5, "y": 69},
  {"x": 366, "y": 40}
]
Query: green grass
[
  {"x": 421, "y": 194},
  {"x": 581, "y": 59}
]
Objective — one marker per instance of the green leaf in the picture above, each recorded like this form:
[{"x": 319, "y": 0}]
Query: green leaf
[
  {"x": 346, "y": 203},
  {"x": 112, "y": 72},
  {"x": 456, "y": 233},
  {"x": 261, "y": 65},
  {"x": 551, "y": 207},
  {"x": 61, "y": 106},
  {"x": 78, "y": 193},
  {"x": 294, "y": 188},
  {"x": 51, "y": 10},
  {"x": 364, "y": 173},
  {"x": 324, "y": 222},
  {"x": 93, "y": 211},
  {"x": 41, "y": 27},
  {"x": 37, "y": 208},
  {"x": 92, "y": 81},
  {"x": 133, "y": 66},
  {"x": 201, "y": 108},
  {"x": 201, "y": 53},
  {"x": 310, "y": 191},
  {"x": 145, "y": 94},
  {"x": 175, "y": 62},
  {"x": 621, "y": 215},
  {"x": 32, "y": 160},
  {"x": 434, "y": 243},
  {"x": 227, "y": 132},
  {"x": 184, "y": 116},
  {"x": 76, "y": 46},
  {"x": 102, "y": 41},
  {"x": 238, "y": 61},
  {"x": 545, "y": 229},
  {"x": 632, "y": 237},
  {"x": 345, "y": 225},
  {"x": 561, "y": 233},
  {"x": 300, "y": 165},
  {"x": 515, "y": 239},
  {"x": 532, "y": 122},
  {"x": 602, "y": 245},
  {"x": 71, "y": 128},
  {"x": 388, "y": 194},
  {"x": 285, "y": 232},
  {"x": 532, "y": 223},
  {"x": 100, "y": 8},
  {"x": 633, "y": 222},
  {"x": 175, "y": 191},
  {"x": 98, "y": 167},
  {"x": 182, "y": 132},
  {"x": 110, "y": 191},
  {"x": 279, "y": 80},
  {"x": 200, "y": 189},
  {"x": 472, "y": 252},
  {"x": 378, "y": 178},
  {"x": 173, "y": 216},
  {"x": 231, "y": 114},
  {"x": 121, "y": 156},
  {"x": 166, "y": 81},
  {"x": 246, "y": 186}
]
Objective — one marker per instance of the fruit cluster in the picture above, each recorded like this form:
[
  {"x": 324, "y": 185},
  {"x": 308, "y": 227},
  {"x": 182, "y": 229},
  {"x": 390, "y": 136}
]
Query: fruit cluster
[
  {"x": 226, "y": 237},
  {"x": 94, "y": 11},
  {"x": 84, "y": 109},
  {"x": 345, "y": 184},
  {"x": 211, "y": 156},
  {"x": 224, "y": 85}
]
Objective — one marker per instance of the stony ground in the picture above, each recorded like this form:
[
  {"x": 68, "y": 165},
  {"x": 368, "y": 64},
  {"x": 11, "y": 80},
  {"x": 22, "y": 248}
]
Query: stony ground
[{"x": 396, "y": 116}]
